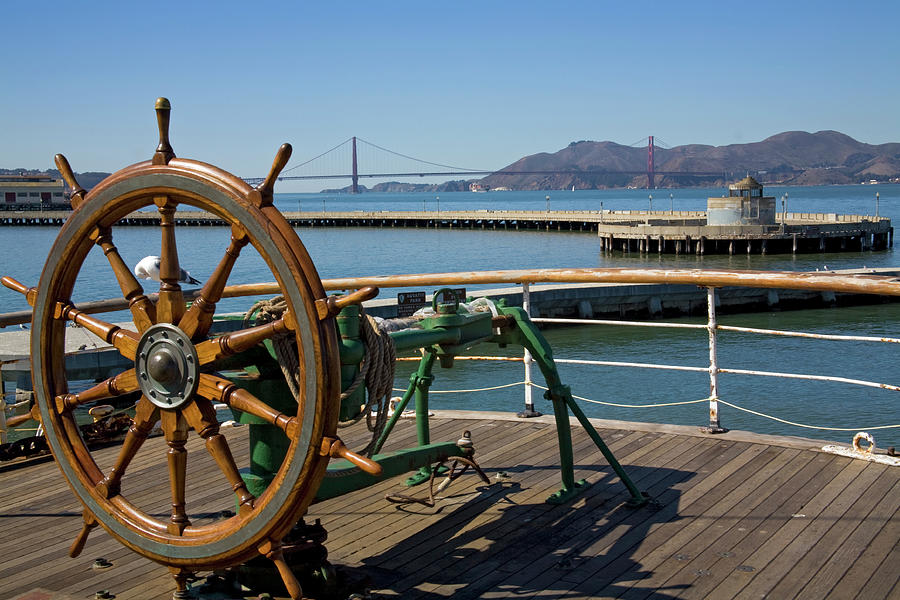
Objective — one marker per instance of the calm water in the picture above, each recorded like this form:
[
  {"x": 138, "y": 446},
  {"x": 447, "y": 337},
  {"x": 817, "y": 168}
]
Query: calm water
[{"x": 357, "y": 252}]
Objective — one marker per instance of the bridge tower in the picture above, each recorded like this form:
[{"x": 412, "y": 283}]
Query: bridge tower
[
  {"x": 355, "y": 188},
  {"x": 651, "y": 167}
]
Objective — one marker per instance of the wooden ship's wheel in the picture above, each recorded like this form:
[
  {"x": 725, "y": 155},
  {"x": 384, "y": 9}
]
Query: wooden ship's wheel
[{"x": 174, "y": 362}]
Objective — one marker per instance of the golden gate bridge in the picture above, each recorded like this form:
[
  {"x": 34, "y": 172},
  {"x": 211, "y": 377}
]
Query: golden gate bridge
[{"x": 382, "y": 163}]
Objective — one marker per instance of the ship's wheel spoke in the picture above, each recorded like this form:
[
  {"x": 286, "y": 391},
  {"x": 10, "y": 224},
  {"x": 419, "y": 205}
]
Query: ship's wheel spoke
[
  {"x": 218, "y": 389},
  {"x": 199, "y": 317},
  {"x": 240, "y": 341},
  {"x": 201, "y": 415},
  {"x": 146, "y": 416},
  {"x": 170, "y": 307},
  {"x": 175, "y": 428},
  {"x": 142, "y": 309},
  {"x": 123, "y": 340},
  {"x": 117, "y": 385}
]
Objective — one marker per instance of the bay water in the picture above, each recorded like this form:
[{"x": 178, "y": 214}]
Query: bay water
[{"x": 348, "y": 252}]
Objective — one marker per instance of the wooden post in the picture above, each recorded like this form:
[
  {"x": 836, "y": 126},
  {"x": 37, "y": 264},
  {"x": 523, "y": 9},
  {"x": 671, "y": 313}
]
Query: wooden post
[
  {"x": 794, "y": 243},
  {"x": 730, "y": 247},
  {"x": 763, "y": 247}
]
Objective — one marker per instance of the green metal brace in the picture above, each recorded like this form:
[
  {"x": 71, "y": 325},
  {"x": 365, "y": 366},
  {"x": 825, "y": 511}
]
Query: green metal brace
[{"x": 526, "y": 334}]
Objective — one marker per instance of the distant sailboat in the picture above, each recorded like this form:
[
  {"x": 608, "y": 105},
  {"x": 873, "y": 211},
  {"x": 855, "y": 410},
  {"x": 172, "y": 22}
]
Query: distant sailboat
[{"x": 573, "y": 188}]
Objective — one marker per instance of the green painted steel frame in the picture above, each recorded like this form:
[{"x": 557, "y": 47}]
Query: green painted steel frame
[{"x": 526, "y": 334}]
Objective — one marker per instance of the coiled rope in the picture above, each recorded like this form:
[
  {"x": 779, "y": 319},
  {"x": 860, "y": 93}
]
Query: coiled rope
[
  {"x": 266, "y": 311},
  {"x": 376, "y": 370}
]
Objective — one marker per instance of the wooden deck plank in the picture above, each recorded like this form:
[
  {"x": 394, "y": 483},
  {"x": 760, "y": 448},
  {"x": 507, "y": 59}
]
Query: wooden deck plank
[
  {"x": 833, "y": 570},
  {"x": 876, "y": 566},
  {"x": 477, "y": 537},
  {"x": 562, "y": 531},
  {"x": 345, "y": 510},
  {"x": 387, "y": 515},
  {"x": 759, "y": 561},
  {"x": 887, "y": 580},
  {"x": 593, "y": 523},
  {"x": 812, "y": 535},
  {"x": 542, "y": 455},
  {"x": 719, "y": 495},
  {"x": 598, "y": 568},
  {"x": 731, "y": 547},
  {"x": 545, "y": 571},
  {"x": 836, "y": 530},
  {"x": 655, "y": 559},
  {"x": 548, "y": 551}
]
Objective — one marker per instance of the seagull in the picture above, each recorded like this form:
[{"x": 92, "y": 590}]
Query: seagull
[{"x": 148, "y": 268}]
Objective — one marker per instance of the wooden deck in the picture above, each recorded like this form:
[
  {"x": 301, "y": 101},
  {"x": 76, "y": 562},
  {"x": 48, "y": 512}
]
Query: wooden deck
[{"x": 735, "y": 516}]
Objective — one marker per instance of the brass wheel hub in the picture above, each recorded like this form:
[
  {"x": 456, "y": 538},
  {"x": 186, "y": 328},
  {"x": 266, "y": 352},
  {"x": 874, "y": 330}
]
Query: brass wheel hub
[{"x": 167, "y": 366}]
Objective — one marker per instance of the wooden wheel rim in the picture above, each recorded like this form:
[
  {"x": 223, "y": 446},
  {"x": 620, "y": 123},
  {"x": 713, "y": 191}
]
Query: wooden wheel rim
[{"x": 295, "y": 484}]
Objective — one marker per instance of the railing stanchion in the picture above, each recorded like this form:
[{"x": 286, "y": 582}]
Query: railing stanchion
[
  {"x": 527, "y": 360},
  {"x": 712, "y": 326}
]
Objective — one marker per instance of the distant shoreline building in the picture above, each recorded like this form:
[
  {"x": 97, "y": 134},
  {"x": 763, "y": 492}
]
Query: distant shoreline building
[{"x": 32, "y": 189}]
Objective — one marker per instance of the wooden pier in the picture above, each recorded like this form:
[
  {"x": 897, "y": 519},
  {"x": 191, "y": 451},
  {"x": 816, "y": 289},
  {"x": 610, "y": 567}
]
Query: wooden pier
[
  {"x": 670, "y": 232},
  {"x": 735, "y": 515}
]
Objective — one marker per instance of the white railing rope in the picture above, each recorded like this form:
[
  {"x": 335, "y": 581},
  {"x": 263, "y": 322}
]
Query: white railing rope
[{"x": 714, "y": 369}]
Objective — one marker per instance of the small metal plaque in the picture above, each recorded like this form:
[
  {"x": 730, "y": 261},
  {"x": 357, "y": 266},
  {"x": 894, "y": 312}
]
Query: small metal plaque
[{"x": 409, "y": 302}]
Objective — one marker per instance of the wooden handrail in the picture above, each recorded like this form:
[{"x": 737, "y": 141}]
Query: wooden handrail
[{"x": 816, "y": 280}]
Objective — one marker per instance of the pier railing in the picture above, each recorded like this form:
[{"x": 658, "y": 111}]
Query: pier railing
[
  {"x": 711, "y": 280},
  {"x": 714, "y": 369}
]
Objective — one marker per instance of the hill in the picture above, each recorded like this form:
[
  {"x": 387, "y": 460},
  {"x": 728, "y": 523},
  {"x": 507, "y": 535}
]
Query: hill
[{"x": 791, "y": 158}]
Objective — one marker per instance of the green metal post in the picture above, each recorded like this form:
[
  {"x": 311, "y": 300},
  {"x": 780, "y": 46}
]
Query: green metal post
[
  {"x": 527, "y": 335},
  {"x": 352, "y": 352},
  {"x": 423, "y": 379},
  {"x": 398, "y": 410},
  {"x": 566, "y": 459},
  {"x": 638, "y": 498},
  {"x": 423, "y": 382}
]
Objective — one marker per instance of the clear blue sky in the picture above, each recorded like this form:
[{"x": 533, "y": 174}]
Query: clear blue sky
[{"x": 476, "y": 84}]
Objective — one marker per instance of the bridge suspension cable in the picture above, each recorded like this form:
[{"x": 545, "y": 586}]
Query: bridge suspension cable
[
  {"x": 317, "y": 157},
  {"x": 426, "y": 162}
]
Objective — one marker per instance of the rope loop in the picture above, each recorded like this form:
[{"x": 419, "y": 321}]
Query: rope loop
[{"x": 376, "y": 369}]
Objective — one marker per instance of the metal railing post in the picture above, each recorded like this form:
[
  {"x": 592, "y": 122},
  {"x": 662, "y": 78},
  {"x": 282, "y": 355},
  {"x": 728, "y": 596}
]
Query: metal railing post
[
  {"x": 712, "y": 326},
  {"x": 529, "y": 402}
]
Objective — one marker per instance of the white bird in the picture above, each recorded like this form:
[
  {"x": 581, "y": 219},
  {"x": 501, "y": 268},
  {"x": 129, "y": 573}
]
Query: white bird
[{"x": 148, "y": 268}]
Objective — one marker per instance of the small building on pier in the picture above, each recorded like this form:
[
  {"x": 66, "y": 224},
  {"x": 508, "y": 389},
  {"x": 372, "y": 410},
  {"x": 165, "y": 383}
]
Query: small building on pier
[
  {"x": 745, "y": 204},
  {"x": 745, "y": 220}
]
